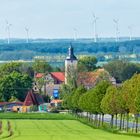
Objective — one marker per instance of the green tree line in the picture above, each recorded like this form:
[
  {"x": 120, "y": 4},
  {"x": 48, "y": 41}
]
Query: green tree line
[{"x": 122, "y": 103}]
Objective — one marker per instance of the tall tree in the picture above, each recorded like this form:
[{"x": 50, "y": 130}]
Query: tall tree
[
  {"x": 76, "y": 97},
  {"x": 122, "y": 70},
  {"x": 41, "y": 66},
  {"x": 131, "y": 93},
  {"x": 87, "y": 63},
  {"x": 8, "y": 68},
  {"x": 15, "y": 84},
  {"x": 109, "y": 103}
]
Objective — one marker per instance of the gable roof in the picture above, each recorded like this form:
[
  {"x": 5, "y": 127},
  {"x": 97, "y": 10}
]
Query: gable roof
[
  {"x": 58, "y": 76},
  {"x": 33, "y": 99}
]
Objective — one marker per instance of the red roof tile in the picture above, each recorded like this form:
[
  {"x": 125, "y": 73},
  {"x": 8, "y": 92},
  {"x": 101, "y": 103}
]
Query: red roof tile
[
  {"x": 89, "y": 78},
  {"x": 33, "y": 99},
  {"x": 39, "y": 75},
  {"x": 59, "y": 76},
  {"x": 6, "y": 103},
  {"x": 56, "y": 101}
]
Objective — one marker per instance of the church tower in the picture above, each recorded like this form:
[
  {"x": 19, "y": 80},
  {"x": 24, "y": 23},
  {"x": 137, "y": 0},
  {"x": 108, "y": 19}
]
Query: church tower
[{"x": 70, "y": 64}]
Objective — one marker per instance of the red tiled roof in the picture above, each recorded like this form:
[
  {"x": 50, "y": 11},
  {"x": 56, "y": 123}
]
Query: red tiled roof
[
  {"x": 39, "y": 75},
  {"x": 6, "y": 103},
  {"x": 56, "y": 101},
  {"x": 33, "y": 99},
  {"x": 89, "y": 78},
  {"x": 3, "y": 103},
  {"x": 59, "y": 76}
]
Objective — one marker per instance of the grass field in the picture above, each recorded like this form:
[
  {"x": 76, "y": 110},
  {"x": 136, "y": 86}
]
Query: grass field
[
  {"x": 42, "y": 116},
  {"x": 57, "y": 130}
]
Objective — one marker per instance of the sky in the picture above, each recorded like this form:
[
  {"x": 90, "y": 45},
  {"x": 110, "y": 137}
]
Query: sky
[{"x": 59, "y": 18}]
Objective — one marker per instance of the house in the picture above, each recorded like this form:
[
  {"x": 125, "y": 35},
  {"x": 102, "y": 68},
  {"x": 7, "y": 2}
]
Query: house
[
  {"x": 56, "y": 103},
  {"x": 53, "y": 82},
  {"x": 58, "y": 77},
  {"x": 8, "y": 106},
  {"x": 33, "y": 99}
]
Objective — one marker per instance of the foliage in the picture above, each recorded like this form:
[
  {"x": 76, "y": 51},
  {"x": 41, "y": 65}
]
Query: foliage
[
  {"x": 41, "y": 66},
  {"x": 19, "y": 67},
  {"x": 76, "y": 97},
  {"x": 34, "y": 108},
  {"x": 98, "y": 94},
  {"x": 54, "y": 110},
  {"x": 103, "y": 76},
  {"x": 87, "y": 63},
  {"x": 109, "y": 102},
  {"x": 8, "y": 68},
  {"x": 22, "y": 51},
  {"x": 122, "y": 70},
  {"x": 13, "y": 99},
  {"x": 131, "y": 92},
  {"x": 14, "y": 84}
]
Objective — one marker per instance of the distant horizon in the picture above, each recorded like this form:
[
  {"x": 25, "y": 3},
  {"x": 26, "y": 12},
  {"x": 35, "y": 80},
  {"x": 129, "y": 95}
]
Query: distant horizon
[{"x": 125, "y": 37}]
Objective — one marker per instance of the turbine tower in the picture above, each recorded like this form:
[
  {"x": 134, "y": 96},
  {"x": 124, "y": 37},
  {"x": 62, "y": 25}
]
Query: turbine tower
[
  {"x": 116, "y": 21},
  {"x": 130, "y": 32},
  {"x": 8, "y": 26},
  {"x": 27, "y": 33},
  {"x": 95, "y": 27}
]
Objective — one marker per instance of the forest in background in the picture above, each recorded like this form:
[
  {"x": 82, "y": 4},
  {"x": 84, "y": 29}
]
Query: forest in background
[{"x": 56, "y": 50}]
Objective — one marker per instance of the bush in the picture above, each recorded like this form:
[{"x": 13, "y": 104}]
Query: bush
[
  {"x": 54, "y": 110},
  {"x": 34, "y": 108}
]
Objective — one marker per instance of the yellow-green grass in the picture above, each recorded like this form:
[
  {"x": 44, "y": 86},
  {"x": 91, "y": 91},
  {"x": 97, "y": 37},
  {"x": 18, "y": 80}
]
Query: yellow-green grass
[{"x": 58, "y": 130}]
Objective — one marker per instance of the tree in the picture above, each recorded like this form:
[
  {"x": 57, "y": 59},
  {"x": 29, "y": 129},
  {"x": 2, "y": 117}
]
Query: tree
[
  {"x": 76, "y": 97},
  {"x": 109, "y": 102},
  {"x": 15, "y": 84},
  {"x": 122, "y": 107},
  {"x": 131, "y": 93},
  {"x": 41, "y": 66},
  {"x": 20, "y": 67},
  {"x": 84, "y": 103},
  {"x": 103, "y": 76},
  {"x": 66, "y": 92},
  {"x": 26, "y": 68},
  {"x": 122, "y": 70},
  {"x": 87, "y": 63},
  {"x": 8, "y": 68},
  {"x": 95, "y": 97}
]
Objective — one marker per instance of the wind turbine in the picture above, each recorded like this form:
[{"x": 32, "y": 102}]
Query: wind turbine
[
  {"x": 8, "y": 26},
  {"x": 75, "y": 33},
  {"x": 130, "y": 32},
  {"x": 95, "y": 27},
  {"x": 116, "y": 21},
  {"x": 27, "y": 33}
]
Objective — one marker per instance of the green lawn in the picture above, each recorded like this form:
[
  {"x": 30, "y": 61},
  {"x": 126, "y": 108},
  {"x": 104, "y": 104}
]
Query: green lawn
[
  {"x": 58, "y": 130},
  {"x": 42, "y": 116}
]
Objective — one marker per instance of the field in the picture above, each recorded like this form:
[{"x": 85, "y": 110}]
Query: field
[
  {"x": 57, "y": 130},
  {"x": 38, "y": 116}
]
